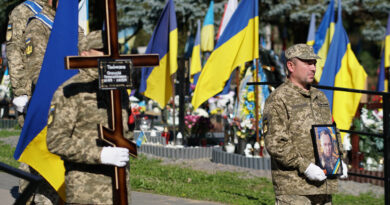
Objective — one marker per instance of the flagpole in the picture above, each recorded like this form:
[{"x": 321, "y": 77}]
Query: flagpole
[
  {"x": 173, "y": 108},
  {"x": 256, "y": 101},
  {"x": 237, "y": 81}
]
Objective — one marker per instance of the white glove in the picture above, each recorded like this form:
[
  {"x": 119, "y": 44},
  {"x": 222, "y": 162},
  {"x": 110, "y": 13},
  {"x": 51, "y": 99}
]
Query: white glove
[
  {"x": 345, "y": 171},
  {"x": 315, "y": 173},
  {"x": 116, "y": 156},
  {"x": 20, "y": 102}
]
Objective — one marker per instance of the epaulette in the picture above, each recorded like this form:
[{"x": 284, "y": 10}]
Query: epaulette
[
  {"x": 44, "y": 19},
  {"x": 33, "y": 6}
]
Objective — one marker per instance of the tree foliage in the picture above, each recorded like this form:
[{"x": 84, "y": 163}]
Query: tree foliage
[{"x": 365, "y": 21}]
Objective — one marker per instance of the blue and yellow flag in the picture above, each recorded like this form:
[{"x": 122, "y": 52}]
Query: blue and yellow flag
[
  {"x": 312, "y": 31},
  {"x": 385, "y": 61},
  {"x": 156, "y": 81},
  {"x": 32, "y": 148},
  {"x": 207, "y": 32},
  {"x": 83, "y": 15},
  {"x": 141, "y": 139},
  {"x": 342, "y": 69},
  {"x": 196, "y": 62},
  {"x": 238, "y": 44},
  {"x": 126, "y": 38},
  {"x": 323, "y": 38}
]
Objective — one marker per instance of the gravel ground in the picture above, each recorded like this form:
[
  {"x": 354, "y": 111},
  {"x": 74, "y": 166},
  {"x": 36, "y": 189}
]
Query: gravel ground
[
  {"x": 345, "y": 187},
  {"x": 13, "y": 140}
]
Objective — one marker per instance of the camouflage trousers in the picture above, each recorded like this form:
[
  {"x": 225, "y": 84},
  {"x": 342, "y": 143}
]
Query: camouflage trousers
[
  {"x": 321, "y": 199},
  {"x": 20, "y": 119},
  {"x": 44, "y": 194}
]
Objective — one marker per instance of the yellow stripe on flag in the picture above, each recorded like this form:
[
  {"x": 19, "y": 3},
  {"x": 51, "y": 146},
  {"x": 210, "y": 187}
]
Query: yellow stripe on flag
[{"x": 52, "y": 169}]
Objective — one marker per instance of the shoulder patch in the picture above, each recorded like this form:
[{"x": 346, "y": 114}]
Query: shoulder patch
[
  {"x": 29, "y": 47},
  {"x": 9, "y": 33},
  {"x": 51, "y": 115}
]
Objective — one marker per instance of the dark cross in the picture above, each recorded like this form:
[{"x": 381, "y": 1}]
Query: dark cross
[{"x": 114, "y": 134}]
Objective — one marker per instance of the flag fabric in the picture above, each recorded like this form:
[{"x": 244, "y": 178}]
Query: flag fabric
[
  {"x": 207, "y": 32},
  {"x": 238, "y": 44},
  {"x": 312, "y": 31},
  {"x": 156, "y": 81},
  {"x": 126, "y": 38},
  {"x": 387, "y": 44},
  {"x": 342, "y": 69},
  {"x": 230, "y": 7},
  {"x": 323, "y": 38},
  {"x": 385, "y": 61},
  {"x": 32, "y": 148},
  {"x": 141, "y": 139},
  {"x": 83, "y": 16},
  {"x": 196, "y": 62},
  {"x": 5, "y": 85}
]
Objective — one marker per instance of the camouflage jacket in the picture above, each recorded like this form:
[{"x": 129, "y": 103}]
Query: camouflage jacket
[
  {"x": 289, "y": 113},
  {"x": 36, "y": 38},
  {"x": 18, "y": 19},
  {"x": 77, "y": 108}
]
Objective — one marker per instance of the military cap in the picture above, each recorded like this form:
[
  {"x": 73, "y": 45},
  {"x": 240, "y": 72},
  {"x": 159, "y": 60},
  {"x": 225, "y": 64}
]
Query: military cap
[
  {"x": 301, "y": 51},
  {"x": 92, "y": 41}
]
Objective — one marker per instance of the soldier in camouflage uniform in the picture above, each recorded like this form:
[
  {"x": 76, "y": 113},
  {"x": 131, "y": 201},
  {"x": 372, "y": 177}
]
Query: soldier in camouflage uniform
[
  {"x": 78, "y": 106},
  {"x": 18, "y": 68},
  {"x": 18, "y": 19},
  {"x": 289, "y": 113},
  {"x": 36, "y": 38}
]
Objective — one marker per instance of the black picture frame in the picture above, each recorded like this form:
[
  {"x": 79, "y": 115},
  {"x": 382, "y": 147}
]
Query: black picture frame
[{"x": 327, "y": 149}]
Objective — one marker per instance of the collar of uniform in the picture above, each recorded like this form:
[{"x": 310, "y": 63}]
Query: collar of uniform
[
  {"x": 49, "y": 12},
  {"x": 41, "y": 2},
  {"x": 299, "y": 89}
]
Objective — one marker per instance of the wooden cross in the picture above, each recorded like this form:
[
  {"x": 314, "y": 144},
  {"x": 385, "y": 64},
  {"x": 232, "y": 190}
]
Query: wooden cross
[{"x": 114, "y": 134}]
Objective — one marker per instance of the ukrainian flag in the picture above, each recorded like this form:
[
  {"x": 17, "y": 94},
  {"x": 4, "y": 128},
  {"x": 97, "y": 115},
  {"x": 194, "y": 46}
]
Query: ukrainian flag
[
  {"x": 323, "y": 38},
  {"x": 238, "y": 44},
  {"x": 207, "y": 33},
  {"x": 126, "y": 38},
  {"x": 385, "y": 61},
  {"x": 32, "y": 148},
  {"x": 156, "y": 81},
  {"x": 196, "y": 63},
  {"x": 83, "y": 16},
  {"x": 342, "y": 69},
  {"x": 312, "y": 31}
]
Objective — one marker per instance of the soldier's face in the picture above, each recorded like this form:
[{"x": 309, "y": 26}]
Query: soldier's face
[
  {"x": 326, "y": 145},
  {"x": 302, "y": 71}
]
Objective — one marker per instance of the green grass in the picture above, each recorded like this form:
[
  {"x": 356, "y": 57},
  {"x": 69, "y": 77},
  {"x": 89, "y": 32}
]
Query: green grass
[
  {"x": 9, "y": 132},
  {"x": 7, "y": 151},
  {"x": 366, "y": 198},
  {"x": 6, "y": 155},
  {"x": 149, "y": 175}
]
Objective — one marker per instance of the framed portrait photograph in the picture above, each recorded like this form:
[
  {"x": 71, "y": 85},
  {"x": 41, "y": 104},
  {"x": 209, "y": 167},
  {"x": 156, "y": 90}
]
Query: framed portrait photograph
[{"x": 327, "y": 149}]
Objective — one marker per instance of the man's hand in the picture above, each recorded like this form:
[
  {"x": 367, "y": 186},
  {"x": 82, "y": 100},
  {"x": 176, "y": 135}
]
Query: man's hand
[
  {"x": 345, "y": 171},
  {"x": 116, "y": 156},
  {"x": 315, "y": 173},
  {"x": 20, "y": 103}
]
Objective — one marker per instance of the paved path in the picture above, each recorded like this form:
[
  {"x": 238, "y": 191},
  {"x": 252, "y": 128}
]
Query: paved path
[{"x": 9, "y": 189}]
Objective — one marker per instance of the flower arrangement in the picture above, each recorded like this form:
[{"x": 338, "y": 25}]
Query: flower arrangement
[
  {"x": 198, "y": 122},
  {"x": 371, "y": 120},
  {"x": 190, "y": 121},
  {"x": 243, "y": 128}
]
